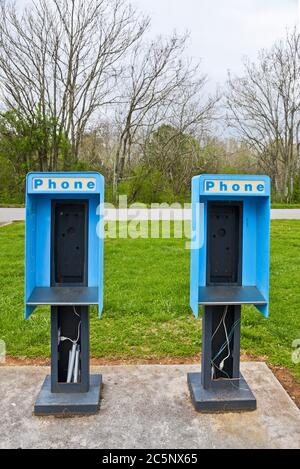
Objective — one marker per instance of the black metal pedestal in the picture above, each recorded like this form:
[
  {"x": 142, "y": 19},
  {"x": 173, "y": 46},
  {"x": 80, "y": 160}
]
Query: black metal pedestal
[
  {"x": 68, "y": 404},
  {"x": 69, "y": 325},
  {"x": 220, "y": 387}
]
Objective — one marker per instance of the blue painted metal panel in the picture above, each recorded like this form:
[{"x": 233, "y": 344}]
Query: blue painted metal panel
[
  {"x": 263, "y": 251},
  {"x": 195, "y": 248},
  {"x": 30, "y": 252},
  {"x": 254, "y": 192},
  {"x": 100, "y": 234},
  {"x": 41, "y": 189}
]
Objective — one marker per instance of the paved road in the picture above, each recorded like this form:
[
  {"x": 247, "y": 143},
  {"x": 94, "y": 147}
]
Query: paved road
[
  {"x": 8, "y": 215},
  {"x": 285, "y": 214},
  {"x": 11, "y": 214}
]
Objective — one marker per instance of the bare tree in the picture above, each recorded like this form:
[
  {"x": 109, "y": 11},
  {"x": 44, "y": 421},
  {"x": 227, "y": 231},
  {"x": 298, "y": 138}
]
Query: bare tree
[
  {"x": 59, "y": 62},
  {"x": 159, "y": 86},
  {"x": 97, "y": 148},
  {"x": 264, "y": 107},
  {"x": 178, "y": 151}
]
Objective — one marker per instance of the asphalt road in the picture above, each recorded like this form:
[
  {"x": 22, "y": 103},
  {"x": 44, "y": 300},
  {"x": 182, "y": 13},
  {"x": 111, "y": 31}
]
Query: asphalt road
[{"x": 8, "y": 215}]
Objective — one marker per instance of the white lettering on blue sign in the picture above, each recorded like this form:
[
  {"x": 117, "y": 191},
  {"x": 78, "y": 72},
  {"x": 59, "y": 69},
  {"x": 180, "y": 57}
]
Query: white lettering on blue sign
[
  {"x": 60, "y": 184},
  {"x": 217, "y": 186}
]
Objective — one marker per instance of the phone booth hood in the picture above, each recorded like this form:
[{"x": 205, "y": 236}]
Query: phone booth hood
[
  {"x": 253, "y": 192},
  {"x": 41, "y": 190}
]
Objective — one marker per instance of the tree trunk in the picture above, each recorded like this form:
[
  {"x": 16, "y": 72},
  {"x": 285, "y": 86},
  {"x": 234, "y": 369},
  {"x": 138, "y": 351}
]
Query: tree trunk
[{"x": 116, "y": 177}]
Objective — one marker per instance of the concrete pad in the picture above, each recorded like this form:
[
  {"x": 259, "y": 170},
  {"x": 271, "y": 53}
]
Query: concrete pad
[{"x": 147, "y": 406}]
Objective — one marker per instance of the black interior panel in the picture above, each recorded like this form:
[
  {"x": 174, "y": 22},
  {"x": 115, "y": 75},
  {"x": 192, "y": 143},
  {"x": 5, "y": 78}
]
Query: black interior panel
[
  {"x": 69, "y": 243},
  {"x": 224, "y": 242}
]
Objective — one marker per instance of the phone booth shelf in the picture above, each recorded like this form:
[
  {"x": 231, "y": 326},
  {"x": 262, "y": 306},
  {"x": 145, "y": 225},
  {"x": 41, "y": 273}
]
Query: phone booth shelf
[
  {"x": 230, "y": 256},
  {"x": 64, "y": 270}
]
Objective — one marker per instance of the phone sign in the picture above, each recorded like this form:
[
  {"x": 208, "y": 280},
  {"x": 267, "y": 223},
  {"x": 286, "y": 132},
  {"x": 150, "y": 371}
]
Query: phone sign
[
  {"x": 60, "y": 184},
  {"x": 218, "y": 186}
]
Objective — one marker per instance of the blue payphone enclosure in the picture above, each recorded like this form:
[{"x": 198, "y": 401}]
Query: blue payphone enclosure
[
  {"x": 41, "y": 190},
  {"x": 254, "y": 193}
]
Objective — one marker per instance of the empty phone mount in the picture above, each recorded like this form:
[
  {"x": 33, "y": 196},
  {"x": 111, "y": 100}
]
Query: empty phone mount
[
  {"x": 64, "y": 269},
  {"x": 229, "y": 268}
]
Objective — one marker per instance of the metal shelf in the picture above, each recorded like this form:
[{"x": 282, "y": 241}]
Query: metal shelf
[
  {"x": 230, "y": 295},
  {"x": 63, "y": 296}
]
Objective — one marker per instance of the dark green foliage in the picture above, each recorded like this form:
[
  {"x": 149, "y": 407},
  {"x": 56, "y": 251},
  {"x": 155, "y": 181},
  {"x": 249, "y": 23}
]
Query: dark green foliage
[{"x": 27, "y": 144}]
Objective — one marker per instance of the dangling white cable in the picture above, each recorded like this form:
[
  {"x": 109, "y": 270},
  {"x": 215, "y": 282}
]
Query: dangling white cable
[
  {"x": 219, "y": 325},
  {"x": 75, "y": 312},
  {"x": 71, "y": 363},
  {"x": 228, "y": 346},
  {"x": 216, "y": 330},
  {"x": 76, "y": 367},
  {"x": 72, "y": 352},
  {"x": 71, "y": 340},
  {"x": 231, "y": 380}
]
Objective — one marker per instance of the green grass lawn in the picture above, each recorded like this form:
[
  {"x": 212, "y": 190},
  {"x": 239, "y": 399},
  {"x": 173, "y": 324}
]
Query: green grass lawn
[{"x": 147, "y": 312}]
